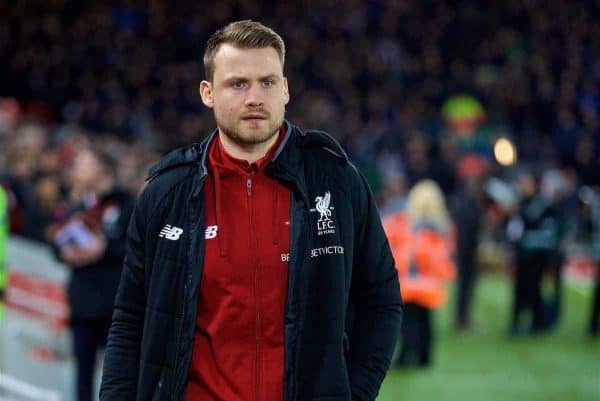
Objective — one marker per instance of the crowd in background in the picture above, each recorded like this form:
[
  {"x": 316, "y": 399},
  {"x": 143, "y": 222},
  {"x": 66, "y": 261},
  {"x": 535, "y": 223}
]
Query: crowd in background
[
  {"x": 412, "y": 89},
  {"x": 374, "y": 74}
]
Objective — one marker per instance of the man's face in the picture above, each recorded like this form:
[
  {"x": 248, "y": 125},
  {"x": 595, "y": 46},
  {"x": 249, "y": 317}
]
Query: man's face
[
  {"x": 85, "y": 170},
  {"x": 248, "y": 93}
]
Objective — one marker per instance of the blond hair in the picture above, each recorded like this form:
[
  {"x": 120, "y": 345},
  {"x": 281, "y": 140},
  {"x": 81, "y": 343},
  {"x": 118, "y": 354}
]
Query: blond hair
[
  {"x": 245, "y": 34},
  {"x": 426, "y": 203}
]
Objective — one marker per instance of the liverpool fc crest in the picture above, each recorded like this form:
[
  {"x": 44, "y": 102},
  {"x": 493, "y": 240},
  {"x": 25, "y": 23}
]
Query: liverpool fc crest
[{"x": 325, "y": 224}]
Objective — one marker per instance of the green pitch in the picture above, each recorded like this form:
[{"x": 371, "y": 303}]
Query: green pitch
[{"x": 485, "y": 365}]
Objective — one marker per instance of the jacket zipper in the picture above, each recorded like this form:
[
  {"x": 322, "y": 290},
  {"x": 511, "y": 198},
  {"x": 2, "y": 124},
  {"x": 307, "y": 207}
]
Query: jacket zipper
[
  {"x": 256, "y": 287},
  {"x": 188, "y": 279}
]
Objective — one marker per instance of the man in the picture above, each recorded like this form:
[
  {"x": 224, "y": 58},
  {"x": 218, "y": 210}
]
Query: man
[
  {"x": 92, "y": 242},
  {"x": 588, "y": 232},
  {"x": 535, "y": 233},
  {"x": 467, "y": 215},
  {"x": 257, "y": 267}
]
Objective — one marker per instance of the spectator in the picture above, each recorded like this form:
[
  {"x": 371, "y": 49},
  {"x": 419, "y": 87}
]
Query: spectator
[
  {"x": 589, "y": 234},
  {"x": 467, "y": 214},
  {"x": 535, "y": 232},
  {"x": 91, "y": 242},
  {"x": 420, "y": 240}
]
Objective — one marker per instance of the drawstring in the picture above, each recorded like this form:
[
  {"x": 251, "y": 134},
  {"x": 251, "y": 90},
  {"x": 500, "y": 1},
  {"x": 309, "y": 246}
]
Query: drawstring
[
  {"x": 218, "y": 208},
  {"x": 275, "y": 210}
]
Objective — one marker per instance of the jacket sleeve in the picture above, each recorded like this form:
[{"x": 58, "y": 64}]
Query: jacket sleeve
[
  {"x": 375, "y": 296},
  {"x": 122, "y": 356}
]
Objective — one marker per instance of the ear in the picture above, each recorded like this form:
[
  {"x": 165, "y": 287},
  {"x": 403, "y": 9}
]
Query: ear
[
  {"x": 286, "y": 91},
  {"x": 206, "y": 93}
]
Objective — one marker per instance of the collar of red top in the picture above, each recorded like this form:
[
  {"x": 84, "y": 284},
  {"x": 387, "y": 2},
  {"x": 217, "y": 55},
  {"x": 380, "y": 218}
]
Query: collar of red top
[{"x": 219, "y": 158}]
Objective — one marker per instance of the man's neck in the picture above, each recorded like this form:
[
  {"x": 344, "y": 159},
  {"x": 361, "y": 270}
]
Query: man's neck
[{"x": 250, "y": 153}]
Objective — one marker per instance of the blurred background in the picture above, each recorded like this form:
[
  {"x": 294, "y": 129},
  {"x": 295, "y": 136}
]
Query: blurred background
[{"x": 477, "y": 124}]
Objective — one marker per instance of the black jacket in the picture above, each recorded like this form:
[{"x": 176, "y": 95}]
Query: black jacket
[{"x": 343, "y": 308}]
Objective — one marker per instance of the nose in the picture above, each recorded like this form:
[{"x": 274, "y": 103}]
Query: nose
[{"x": 254, "y": 97}]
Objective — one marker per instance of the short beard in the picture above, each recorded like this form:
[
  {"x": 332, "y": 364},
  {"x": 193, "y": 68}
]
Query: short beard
[{"x": 234, "y": 136}]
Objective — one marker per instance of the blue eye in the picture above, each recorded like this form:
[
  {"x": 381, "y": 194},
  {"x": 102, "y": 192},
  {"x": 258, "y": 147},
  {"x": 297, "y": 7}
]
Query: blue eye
[{"x": 268, "y": 83}]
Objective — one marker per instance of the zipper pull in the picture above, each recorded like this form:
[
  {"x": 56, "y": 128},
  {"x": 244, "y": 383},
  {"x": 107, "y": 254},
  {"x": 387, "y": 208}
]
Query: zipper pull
[{"x": 249, "y": 186}]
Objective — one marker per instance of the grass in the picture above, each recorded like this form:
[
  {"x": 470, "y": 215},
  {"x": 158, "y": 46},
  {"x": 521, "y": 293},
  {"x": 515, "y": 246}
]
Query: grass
[{"x": 485, "y": 365}]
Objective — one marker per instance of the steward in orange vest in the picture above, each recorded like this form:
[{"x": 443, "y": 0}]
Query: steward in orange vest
[{"x": 422, "y": 247}]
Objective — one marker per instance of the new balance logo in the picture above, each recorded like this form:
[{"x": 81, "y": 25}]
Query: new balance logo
[
  {"x": 210, "y": 232},
  {"x": 171, "y": 233}
]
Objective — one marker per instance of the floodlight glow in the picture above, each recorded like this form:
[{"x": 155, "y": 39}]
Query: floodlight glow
[{"x": 505, "y": 152}]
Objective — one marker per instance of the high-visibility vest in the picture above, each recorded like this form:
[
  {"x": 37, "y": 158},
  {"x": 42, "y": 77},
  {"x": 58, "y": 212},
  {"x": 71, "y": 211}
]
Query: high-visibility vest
[{"x": 423, "y": 260}]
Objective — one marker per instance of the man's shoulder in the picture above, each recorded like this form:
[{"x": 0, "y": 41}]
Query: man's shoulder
[
  {"x": 324, "y": 156},
  {"x": 313, "y": 139},
  {"x": 327, "y": 152},
  {"x": 174, "y": 169},
  {"x": 178, "y": 164},
  {"x": 176, "y": 159}
]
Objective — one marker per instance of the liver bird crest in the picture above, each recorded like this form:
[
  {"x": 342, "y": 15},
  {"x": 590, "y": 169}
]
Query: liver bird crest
[{"x": 322, "y": 206}]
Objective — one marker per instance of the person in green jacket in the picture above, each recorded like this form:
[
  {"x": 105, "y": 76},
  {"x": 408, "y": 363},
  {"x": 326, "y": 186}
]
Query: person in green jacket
[{"x": 3, "y": 237}]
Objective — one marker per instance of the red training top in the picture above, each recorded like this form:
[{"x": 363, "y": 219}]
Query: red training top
[{"x": 239, "y": 342}]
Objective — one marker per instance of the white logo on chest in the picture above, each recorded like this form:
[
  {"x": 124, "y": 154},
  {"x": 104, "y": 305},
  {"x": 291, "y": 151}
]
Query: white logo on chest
[
  {"x": 170, "y": 232},
  {"x": 325, "y": 224},
  {"x": 211, "y": 232}
]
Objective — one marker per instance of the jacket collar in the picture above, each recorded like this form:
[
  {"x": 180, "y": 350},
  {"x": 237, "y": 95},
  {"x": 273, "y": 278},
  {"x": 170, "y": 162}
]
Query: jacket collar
[
  {"x": 285, "y": 165},
  {"x": 287, "y": 162}
]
